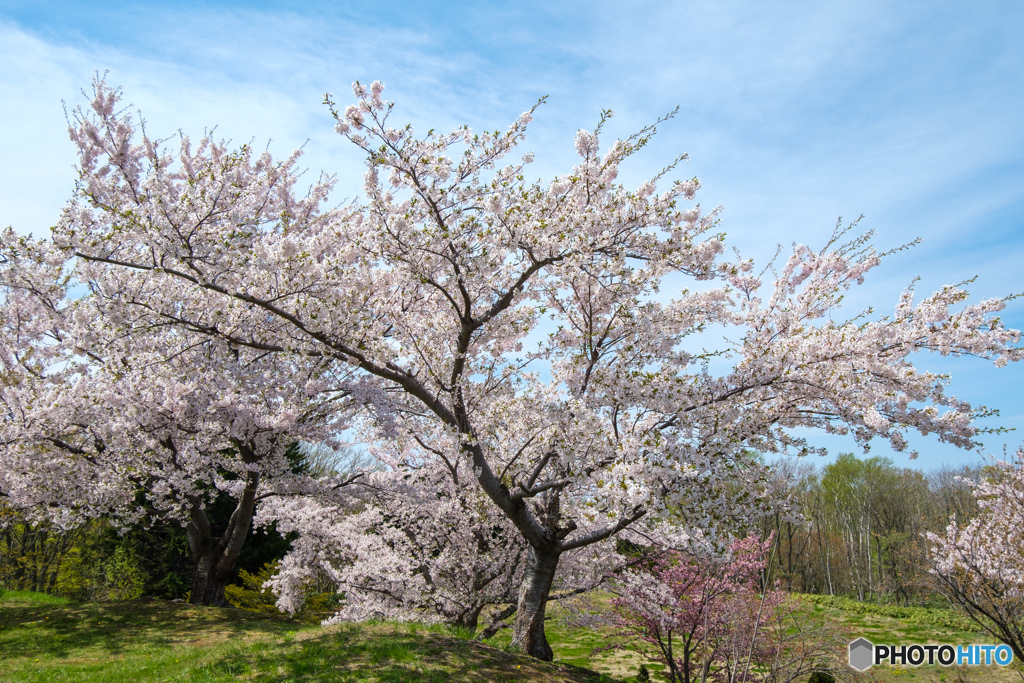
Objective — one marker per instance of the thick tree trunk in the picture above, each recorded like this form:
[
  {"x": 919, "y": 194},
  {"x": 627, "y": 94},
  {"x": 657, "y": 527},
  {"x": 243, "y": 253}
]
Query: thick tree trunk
[
  {"x": 215, "y": 557},
  {"x": 207, "y": 585},
  {"x": 470, "y": 618},
  {"x": 528, "y": 633}
]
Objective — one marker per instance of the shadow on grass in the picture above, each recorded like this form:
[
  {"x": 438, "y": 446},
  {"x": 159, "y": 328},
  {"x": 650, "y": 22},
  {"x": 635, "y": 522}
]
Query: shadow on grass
[
  {"x": 229, "y": 644},
  {"x": 120, "y": 627},
  {"x": 390, "y": 653}
]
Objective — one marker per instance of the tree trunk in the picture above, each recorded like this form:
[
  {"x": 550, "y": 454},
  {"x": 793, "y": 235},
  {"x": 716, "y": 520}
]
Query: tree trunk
[
  {"x": 470, "y": 618},
  {"x": 207, "y": 584},
  {"x": 528, "y": 633},
  {"x": 215, "y": 558}
]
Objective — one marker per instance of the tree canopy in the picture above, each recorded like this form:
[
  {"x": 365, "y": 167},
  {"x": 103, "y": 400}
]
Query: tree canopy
[{"x": 512, "y": 333}]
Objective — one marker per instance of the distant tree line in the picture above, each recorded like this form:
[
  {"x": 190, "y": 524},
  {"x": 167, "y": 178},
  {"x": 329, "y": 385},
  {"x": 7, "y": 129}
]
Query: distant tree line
[{"x": 863, "y": 525}]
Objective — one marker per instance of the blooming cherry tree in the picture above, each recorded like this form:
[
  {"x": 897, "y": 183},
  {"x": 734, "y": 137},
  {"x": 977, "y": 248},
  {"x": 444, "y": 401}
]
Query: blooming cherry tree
[
  {"x": 713, "y": 617},
  {"x": 697, "y": 609},
  {"x": 414, "y": 544},
  {"x": 516, "y": 330},
  {"x": 978, "y": 564},
  {"x": 95, "y": 416}
]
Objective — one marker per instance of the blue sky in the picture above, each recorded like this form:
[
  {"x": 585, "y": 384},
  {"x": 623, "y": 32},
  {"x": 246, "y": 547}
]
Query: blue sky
[{"x": 793, "y": 113}]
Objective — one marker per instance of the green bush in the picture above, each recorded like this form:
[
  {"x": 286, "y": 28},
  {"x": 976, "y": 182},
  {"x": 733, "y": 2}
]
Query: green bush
[
  {"x": 125, "y": 578},
  {"x": 251, "y": 595},
  {"x": 936, "y": 616},
  {"x": 78, "y": 578}
]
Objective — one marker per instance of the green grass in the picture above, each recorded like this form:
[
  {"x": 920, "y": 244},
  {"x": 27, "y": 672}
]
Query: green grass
[
  {"x": 921, "y": 618},
  {"x": 576, "y": 646},
  {"x": 50, "y": 639},
  {"x": 30, "y": 598},
  {"x": 158, "y": 641},
  {"x": 883, "y": 624},
  {"x": 893, "y": 624}
]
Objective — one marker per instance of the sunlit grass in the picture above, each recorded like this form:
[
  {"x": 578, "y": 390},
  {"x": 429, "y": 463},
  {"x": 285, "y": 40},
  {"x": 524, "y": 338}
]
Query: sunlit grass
[
  {"x": 30, "y": 598},
  {"x": 159, "y": 641},
  {"x": 49, "y": 639}
]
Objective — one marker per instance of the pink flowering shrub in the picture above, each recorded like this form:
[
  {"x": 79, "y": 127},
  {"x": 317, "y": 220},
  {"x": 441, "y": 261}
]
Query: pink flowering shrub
[{"x": 711, "y": 618}]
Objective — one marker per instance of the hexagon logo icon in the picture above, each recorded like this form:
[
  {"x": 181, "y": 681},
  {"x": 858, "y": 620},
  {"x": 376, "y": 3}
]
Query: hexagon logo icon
[{"x": 862, "y": 653}]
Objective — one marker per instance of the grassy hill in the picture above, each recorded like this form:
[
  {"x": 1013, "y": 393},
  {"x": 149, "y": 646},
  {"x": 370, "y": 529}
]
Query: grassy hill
[
  {"x": 45, "y": 639},
  {"x": 49, "y": 639}
]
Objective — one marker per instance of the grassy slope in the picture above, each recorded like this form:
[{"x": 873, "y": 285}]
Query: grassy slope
[
  {"x": 160, "y": 641},
  {"x": 908, "y": 625},
  {"x": 878, "y": 623},
  {"x": 49, "y": 639}
]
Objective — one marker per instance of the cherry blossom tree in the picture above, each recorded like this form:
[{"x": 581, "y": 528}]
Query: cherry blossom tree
[
  {"x": 518, "y": 327},
  {"x": 411, "y": 545},
  {"x": 690, "y": 606},
  {"x": 415, "y": 543},
  {"x": 979, "y": 565},
  {"x": 96, "y": 418}
]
